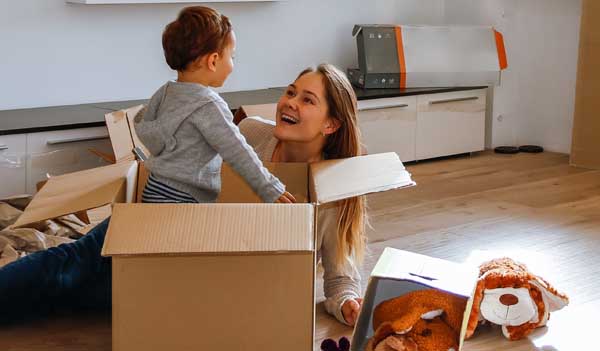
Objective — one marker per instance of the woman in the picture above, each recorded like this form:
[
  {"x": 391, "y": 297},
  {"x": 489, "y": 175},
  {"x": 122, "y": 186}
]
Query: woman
[{"x": 316, "y": 120}]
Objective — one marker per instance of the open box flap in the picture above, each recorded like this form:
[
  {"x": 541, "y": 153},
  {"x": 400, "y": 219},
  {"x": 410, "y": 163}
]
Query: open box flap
[
  {"x": 339, "y": 179},
  {"x": 453, "y": 277},
  {"x": 122, "y": 133},
  {"x": 267, "y": 111},
  {"x": 143, "y": 229},
  {"x": 80, "y": 191}
]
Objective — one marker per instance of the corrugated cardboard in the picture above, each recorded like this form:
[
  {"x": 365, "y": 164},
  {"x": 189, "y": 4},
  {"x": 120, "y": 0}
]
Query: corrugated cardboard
[
  {"x": 401, "y": 56},
  {"x": 585, "y": 149},
  {"x": 213, "y": 302},
  {"x": 333, "y": 180},
  {"x": 122, "y": 134},
  {"x": 399, "y": 272},
  {"x": 209, "y": 229},
  {"x": 221, "y": 276},
  {"x": 267, "y": 111},
  {"x": 234, "y": 188},
  {"x": 79, "y": 191}
]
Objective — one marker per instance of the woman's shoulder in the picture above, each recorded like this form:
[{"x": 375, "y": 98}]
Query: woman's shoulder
[{"x": 256, "y": 130}]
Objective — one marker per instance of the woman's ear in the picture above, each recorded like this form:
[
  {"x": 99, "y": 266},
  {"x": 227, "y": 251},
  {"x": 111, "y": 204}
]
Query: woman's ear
[{"x": 331, "y": 126}]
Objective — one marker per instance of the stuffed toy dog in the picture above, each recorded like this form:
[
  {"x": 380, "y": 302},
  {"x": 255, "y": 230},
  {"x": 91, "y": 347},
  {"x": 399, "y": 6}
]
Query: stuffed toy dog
[
  {"x": 422, "y": 320},
  {"x": 509, "y": 295}
]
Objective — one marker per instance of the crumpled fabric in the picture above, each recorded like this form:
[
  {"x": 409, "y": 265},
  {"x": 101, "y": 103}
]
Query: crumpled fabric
[
  {"x": 8, "y": 215},
  {"x": 18, "y": 242},
  {"x": 7, "y": 253}
]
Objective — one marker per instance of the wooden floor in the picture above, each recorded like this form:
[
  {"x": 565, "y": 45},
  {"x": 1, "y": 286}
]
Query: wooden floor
[{"x": 535, "y": 208}]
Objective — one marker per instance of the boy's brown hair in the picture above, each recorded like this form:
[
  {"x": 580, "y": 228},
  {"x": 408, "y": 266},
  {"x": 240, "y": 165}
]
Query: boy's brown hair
[{"x": 197, "y": 31}]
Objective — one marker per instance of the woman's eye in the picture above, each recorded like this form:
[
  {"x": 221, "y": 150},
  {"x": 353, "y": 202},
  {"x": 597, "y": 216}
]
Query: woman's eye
[
  {"x": 308, "y": 101},
  {"x": 290, "y": 93}
]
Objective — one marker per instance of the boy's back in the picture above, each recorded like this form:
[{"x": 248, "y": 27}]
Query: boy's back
[{"x": 188, "y": 129}]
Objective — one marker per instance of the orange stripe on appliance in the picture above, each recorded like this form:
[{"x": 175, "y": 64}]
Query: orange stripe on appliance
[
  {"x": 501, "y": 50},
  {"x": 401, "y": 60}
]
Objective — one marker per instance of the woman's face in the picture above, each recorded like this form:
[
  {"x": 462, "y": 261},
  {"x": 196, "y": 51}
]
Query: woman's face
[{"x": 302, "y": 111}]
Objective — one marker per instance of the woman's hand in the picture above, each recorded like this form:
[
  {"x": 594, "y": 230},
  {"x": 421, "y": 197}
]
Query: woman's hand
[
  {"x": 350, "y": 310},
  {"x": 286, "y": 198}
]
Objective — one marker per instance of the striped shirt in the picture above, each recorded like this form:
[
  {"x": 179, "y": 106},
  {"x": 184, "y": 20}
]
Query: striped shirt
[{"x": 158, "y": 192}]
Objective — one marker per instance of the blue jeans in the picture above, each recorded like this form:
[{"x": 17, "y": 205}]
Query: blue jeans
[{"x": 70, "y": 276}]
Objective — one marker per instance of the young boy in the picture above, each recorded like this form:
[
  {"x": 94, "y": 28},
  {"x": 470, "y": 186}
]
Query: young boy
[{"x": 188, "y": 128}]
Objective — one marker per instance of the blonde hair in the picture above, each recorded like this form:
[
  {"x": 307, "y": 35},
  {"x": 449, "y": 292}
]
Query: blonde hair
[{"x": 345, "y": 142}]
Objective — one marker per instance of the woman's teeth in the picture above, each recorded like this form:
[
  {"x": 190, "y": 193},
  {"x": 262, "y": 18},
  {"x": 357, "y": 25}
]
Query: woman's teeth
[{"x": 289, "y": 119}]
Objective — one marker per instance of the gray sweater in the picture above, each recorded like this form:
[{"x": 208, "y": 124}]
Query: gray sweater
[{"x": 189, "y": 131}]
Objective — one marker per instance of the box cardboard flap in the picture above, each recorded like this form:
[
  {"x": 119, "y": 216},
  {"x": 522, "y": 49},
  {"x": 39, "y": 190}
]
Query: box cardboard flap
[
  {"x": 137, "y": 143},
  {"x": 142, "y": 229},
  {"x": 120, "y": 136},
  {"x": 266, "y": 111},
  {"x": 234, "y": 188},
  {"x": 122, "y": 133},
  {"x": 453, "y": 277},
  {"x": 333, "y": 180},
  {"x": 79, "y": 191}
]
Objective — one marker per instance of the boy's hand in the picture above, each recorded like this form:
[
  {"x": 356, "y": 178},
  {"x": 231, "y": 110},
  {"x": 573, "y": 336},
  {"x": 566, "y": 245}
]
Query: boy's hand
[
  {"x": 286, "y": 198},
  {"x": 350, "y": 310}
]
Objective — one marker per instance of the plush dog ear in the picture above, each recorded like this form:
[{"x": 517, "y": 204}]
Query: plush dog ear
[
  {"x": 553, "y": 300},
  {"x": 385, "y": 329},
  {"x": 475, "y": 315}
]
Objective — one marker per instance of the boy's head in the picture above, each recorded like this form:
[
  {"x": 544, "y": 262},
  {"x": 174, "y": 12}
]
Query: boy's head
[{"x": 200, "y": 43}]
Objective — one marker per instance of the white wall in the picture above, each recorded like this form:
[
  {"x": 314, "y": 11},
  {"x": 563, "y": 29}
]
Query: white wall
[
  {"x": 53, "y": 53},
  {"x": 535, "y": 102}
]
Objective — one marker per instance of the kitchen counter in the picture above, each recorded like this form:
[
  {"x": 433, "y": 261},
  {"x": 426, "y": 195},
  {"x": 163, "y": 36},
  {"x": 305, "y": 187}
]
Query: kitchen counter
[{"x": 42, "y": 119}]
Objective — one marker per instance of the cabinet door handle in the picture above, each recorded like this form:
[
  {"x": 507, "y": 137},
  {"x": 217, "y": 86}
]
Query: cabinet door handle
[
  {"x": 382, "y": 107},
  {"x": 75, "y": 139},
  {"x": 453, "y": 100},
  {"x": 3, "y": 147}
]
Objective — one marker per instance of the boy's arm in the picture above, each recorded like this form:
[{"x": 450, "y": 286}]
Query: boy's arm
[{"x": 215, "y": 122}]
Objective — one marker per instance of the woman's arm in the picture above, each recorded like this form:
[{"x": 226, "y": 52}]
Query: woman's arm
[{"x": 340, "y": 284}]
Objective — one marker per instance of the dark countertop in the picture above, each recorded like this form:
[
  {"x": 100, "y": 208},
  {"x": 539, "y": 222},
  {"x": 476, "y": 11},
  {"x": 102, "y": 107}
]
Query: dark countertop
[
  {"x": 369, "y": 94},
  {"x": 42, "y": 119}
]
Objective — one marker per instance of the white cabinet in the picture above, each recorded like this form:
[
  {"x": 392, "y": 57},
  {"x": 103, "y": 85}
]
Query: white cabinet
[
  {"x": 424, "y": 126},
  {"x": 64, "y": 151},
  {"x": 13, "y": 164},
  {"x": 389, "y": 125},
  {"x": 450, "y": 123}
]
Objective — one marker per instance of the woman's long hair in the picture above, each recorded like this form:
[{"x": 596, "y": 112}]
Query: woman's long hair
[{"x": 345, "y": 142}]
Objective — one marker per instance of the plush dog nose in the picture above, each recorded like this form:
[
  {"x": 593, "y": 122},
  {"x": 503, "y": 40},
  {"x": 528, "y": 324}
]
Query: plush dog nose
[{"x": 509, "y": 299}]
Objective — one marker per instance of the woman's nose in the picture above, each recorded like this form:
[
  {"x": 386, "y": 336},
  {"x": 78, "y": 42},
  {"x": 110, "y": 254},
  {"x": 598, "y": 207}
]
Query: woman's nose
[
  {"x": 293, "y": 103},
  {"x": 509, "y": 299}
]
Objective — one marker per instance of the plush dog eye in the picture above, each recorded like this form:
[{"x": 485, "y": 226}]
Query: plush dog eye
[{"x": 426, "y": 332}]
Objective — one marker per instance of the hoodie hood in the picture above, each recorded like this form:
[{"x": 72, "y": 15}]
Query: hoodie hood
[{"x": 168, "y": 108}]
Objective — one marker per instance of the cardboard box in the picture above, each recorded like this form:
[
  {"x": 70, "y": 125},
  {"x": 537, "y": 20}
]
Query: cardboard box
[
  {"x": 235, "y": 276},
  {"x": 400, "y": 56},
  {"x": 267, "y": 111},
  {"x": 400, "y": 272},
  {"x": 586, "y": 124}
]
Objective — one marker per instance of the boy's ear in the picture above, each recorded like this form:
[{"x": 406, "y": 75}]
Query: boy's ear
[{"x": 211, "y": 61}]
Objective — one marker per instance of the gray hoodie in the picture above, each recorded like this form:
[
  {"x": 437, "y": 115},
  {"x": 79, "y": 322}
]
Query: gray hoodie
[{"x": 189, "y": 131}]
